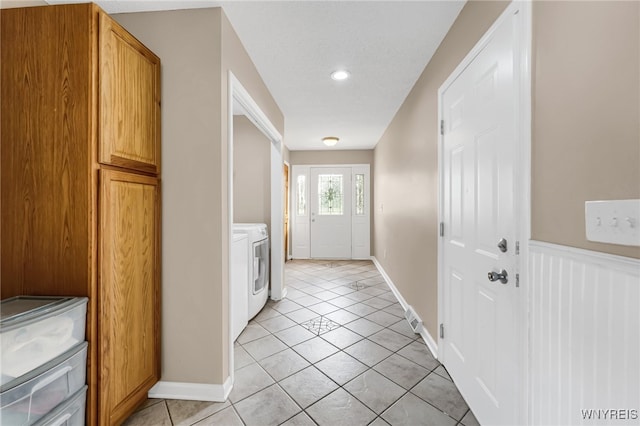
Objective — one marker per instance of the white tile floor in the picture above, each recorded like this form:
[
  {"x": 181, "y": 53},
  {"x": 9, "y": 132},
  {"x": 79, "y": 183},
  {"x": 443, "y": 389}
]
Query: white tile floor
[{"x": 337, "y": 351}]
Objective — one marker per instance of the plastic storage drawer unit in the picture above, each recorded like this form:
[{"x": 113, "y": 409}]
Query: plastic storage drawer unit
[
  {"x": 25, "y": 400},
  {"x": 34, "y": 330},
  {"x": 69, "y": 413}
]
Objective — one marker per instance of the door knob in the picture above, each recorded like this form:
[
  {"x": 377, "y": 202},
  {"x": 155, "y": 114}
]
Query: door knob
[
  {"x": 502, "y": 245},
  {"x": 502, "y": 276}
]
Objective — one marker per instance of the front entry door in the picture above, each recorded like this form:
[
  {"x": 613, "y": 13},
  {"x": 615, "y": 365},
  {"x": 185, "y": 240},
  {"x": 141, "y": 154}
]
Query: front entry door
[
  {"x": 480, "y": 109},
  {"x": 330, "y": 201}
]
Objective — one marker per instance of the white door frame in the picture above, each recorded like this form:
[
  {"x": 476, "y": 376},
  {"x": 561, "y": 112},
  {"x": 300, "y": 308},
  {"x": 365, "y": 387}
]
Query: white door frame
[
  {"x": 523, "y": 184},
  {"x": 288, "y": 253},
  {"x": 295, "y": 231},
  {"x": 237, "y": 93}
]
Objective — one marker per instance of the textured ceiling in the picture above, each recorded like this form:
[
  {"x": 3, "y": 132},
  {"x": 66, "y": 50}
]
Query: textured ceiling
[{"x": 295, "y": 46}]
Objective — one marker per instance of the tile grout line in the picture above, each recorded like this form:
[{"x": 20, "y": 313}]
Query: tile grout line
[
  {"x": 406, "y": 391},
  {"x": 395, "y": 352},
  {"x": 319, "y": 334}
]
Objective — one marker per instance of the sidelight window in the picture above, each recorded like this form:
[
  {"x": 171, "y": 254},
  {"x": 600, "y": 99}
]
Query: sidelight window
[
  {"x": 301, "y": 199},
  {"x": 359, "y": 194}
]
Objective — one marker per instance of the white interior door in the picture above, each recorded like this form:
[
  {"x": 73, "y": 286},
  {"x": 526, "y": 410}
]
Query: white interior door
[
  {"x": 330, "y": 201},
  {"x": 479, "y": 146}
]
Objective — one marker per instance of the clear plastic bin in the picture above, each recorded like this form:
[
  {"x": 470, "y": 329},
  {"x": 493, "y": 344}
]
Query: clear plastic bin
[
  {"x": 34, "y": 395},
  {"x": 34, "y": 330},
  {"x": 69, "y": 413}
]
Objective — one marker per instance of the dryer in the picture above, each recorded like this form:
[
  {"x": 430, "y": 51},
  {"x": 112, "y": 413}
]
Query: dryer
[{"x": 258, "y": 264}]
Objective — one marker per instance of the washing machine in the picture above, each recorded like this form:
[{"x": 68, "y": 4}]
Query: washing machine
[
  {"x": 239, "y": 290},
  {"x": 258, "y": 264}
]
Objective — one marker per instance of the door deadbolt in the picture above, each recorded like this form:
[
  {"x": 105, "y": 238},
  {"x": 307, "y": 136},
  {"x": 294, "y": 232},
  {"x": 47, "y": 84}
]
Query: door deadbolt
[
  {"x": 501, "y": 276},
  {"x": 502, "y": 245}
]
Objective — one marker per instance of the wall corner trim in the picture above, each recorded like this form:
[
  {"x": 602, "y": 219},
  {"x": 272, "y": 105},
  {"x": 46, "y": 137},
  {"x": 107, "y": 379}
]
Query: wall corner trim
[
  {"x": 283, "y": 295},
  {"x": 426, "y": 337},
  {"x": 192, "y": 391}
]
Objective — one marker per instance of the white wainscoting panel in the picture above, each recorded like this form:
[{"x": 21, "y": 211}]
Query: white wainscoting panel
[{"x": 585, "y": 337}]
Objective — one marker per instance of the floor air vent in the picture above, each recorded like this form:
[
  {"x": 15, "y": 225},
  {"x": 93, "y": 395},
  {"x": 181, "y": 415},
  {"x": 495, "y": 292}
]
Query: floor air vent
[{"x": 414, "y": 321}]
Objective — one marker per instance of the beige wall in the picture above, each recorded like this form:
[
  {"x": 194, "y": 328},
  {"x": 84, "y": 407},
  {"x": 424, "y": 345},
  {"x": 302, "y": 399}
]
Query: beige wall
[
  {"x": 8, "y": 4},
  {"x": 406, "y": 163},
  {"x": 364, "y": 156},
  {"x": 286, "y": 155},
  {"x": 251, "y": 173},
  {"x": 191, "y": 192},
  {"x": 197, "y": 48},
  {"x": 236, "y": 59},
  {"x": 585, "y": 142},
  {"x": 586, "y": 115}
]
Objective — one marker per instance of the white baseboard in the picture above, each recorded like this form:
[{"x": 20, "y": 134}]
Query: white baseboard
[
  {"x": 429, "y": 341},
  {"x": 426, "y": 336},
  {"x": 192, "y": 391},
  {"x": 284, "y": 293},
  {"x": 283, "y": 296}
]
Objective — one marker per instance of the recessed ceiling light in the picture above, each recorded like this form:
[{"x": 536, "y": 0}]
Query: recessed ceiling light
[
  {"x": 340, "y": 75},
  {"x": 330, "y": 140}
]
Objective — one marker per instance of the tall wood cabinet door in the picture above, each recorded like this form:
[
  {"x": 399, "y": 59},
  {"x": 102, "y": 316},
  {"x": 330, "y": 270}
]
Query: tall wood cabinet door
[
  {"x": 129, "y": 292},
  {"x": 45, "y": 151},
  {"x": 129, "y": 131}
]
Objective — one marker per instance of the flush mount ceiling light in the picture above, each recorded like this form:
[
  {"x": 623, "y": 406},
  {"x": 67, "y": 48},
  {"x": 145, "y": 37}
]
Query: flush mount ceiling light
[
  {"x": 340, "y": 75},
  {"x": 330, "y": 140}
]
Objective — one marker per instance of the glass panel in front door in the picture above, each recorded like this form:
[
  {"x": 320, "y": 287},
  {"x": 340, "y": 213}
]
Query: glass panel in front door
[{"x": 330, "y": 195}]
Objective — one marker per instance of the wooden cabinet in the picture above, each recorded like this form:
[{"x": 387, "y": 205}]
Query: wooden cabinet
[
  {"x": 129, "y": 248},
  {"x": 80, "y": 187},
  {"x": 129, "y": 98}
]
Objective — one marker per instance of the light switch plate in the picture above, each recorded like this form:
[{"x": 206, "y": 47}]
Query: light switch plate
[{"x": 613, "y": 221}]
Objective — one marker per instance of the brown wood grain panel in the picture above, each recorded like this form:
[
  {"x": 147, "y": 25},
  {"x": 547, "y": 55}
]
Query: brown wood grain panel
[
  {"x": 92, "y": 314},
  {"x": 45, "y": 153},
  {"x": 130, "y": 100},
  {"x": 129, "y": 252}
]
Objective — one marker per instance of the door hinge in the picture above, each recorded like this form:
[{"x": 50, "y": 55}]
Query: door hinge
[
  {"x": 442, "y": 229},
  {"x": 517, "y": 247},
  {"x": 442, "y": 127},
  {"x": 517, "y": 280},
  {"x": 442, "y": 331}
]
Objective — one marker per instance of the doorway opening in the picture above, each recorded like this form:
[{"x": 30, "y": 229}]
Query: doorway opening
[
  {"x": 241, "y": 101},
  {"x": 331, "y": 214}
]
